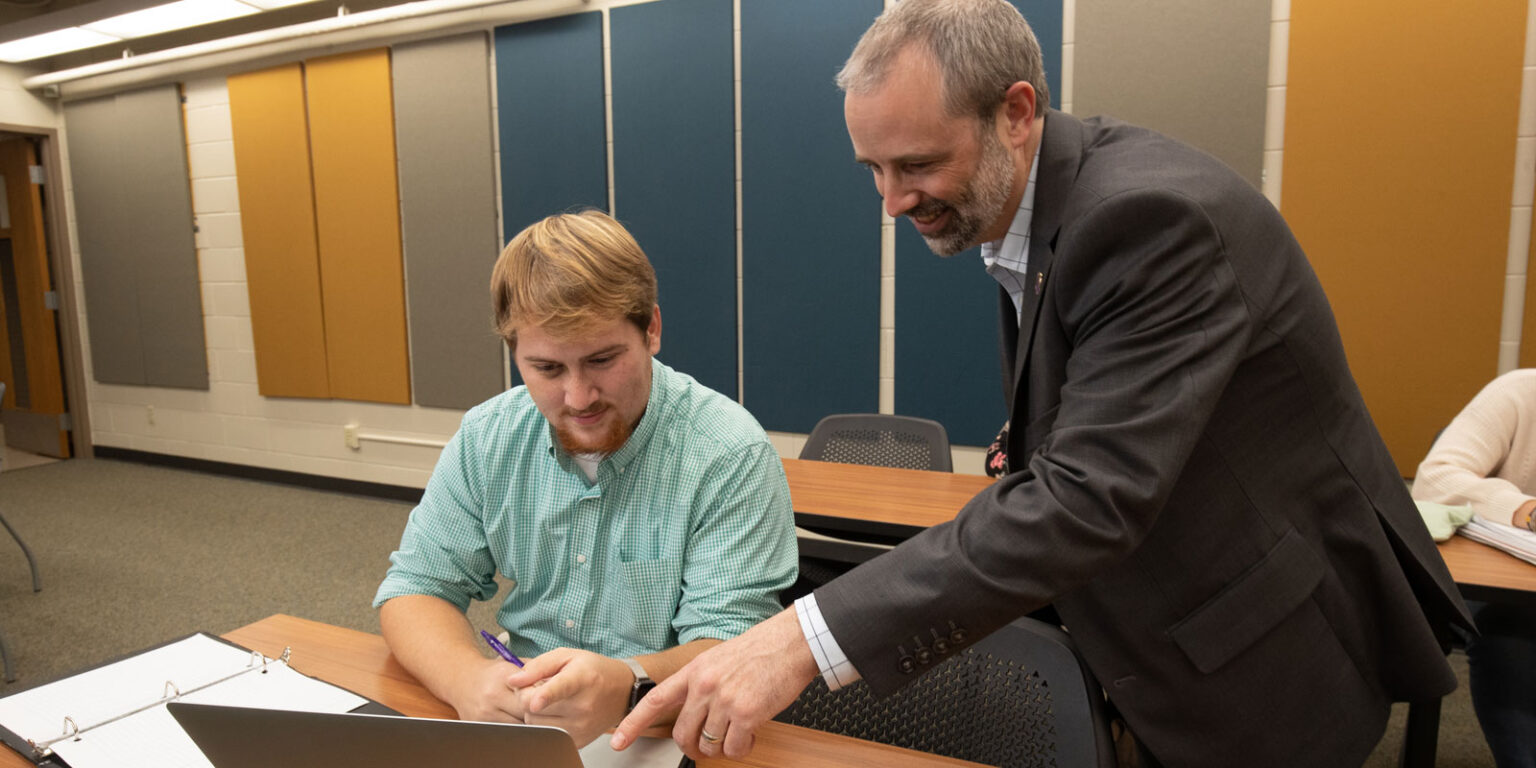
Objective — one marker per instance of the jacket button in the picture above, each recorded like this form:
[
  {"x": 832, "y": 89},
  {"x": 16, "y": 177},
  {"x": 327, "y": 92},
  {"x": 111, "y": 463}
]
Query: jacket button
[
  {"x": 924, "y": 656},
  {"x": 906, "y": 665},
  {"x": 941, "y": 645},
  {"x": 957, "y": 637}
]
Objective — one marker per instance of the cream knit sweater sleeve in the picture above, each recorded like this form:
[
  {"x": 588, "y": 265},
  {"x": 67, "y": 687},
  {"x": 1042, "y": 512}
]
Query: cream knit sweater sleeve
[{"x": 1487, "y": 455}]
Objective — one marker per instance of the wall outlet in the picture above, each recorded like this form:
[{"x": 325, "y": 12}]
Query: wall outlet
[
  {"x": 349, "y": 432},
  {"x": 149, "y": 413}
]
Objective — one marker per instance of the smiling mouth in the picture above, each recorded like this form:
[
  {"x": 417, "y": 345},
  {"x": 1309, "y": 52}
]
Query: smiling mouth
[{"x": 928, "y": 221}]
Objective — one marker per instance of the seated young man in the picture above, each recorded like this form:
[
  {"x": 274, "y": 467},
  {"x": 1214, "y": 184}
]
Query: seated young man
[{"x": 639, "y": 516}]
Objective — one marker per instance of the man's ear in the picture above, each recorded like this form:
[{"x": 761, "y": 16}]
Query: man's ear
[
  {"x": 653, "y": 333},
  {"x": 1019, "y": 111}
]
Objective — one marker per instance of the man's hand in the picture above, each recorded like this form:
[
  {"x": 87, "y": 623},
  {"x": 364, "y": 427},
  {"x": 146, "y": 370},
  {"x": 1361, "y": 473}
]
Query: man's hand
[
  {"x": 579, "y": 691},
  {"x": 729, "y": 690},
  {"x": 482, "y": 692}
]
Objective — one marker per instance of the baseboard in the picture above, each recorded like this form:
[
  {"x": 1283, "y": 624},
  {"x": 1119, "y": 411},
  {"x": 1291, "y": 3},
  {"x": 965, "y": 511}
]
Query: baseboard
[{"x": 285, "y": 477}]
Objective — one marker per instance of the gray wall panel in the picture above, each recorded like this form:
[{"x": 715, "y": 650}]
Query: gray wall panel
[
  {"x": 448, "y": 216},
  {"x": 111, "y": 296},
  {"x": 1195, "y": 70},
  {"x": 133, "y": 206},
  {"x": 158, "y": 203}
]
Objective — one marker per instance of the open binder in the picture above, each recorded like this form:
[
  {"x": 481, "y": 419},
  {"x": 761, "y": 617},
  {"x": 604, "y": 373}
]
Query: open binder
[{"x": 114, "y": 714}]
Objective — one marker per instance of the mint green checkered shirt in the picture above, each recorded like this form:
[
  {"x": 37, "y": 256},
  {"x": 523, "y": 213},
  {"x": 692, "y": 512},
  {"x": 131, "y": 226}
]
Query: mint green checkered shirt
[{"x": 687, "y": 532}]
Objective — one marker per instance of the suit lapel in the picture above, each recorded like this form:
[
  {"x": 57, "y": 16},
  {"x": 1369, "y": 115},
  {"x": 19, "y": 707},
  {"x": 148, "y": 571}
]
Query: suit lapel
[{"x": 1060, "y": 154}]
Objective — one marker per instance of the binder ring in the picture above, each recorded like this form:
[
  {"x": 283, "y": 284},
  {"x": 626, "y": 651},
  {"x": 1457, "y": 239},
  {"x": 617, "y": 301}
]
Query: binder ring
[{"x": 171, "y": 691}]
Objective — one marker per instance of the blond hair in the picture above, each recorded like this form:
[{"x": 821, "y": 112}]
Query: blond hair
[{"x": 569, "y": 272}]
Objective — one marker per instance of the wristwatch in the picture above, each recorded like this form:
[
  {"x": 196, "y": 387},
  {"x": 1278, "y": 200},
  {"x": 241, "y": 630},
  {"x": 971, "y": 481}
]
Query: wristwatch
[{"x": 643, "y": 683}]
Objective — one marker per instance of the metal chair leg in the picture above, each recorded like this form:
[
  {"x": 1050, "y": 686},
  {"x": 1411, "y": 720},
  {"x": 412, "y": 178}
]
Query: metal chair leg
[
  {"x": 5, "y": 659},
  {"x": 37, "y": 584}
]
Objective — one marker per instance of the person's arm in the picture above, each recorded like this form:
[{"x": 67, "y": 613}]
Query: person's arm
[
  {"x": 741, "y": 551},
  {"x": 1157, "y": 327},
  {"x": 433, "y": 640},
  {"x": 1477, "y": 442},
  {"x": 586, "y": 693}
]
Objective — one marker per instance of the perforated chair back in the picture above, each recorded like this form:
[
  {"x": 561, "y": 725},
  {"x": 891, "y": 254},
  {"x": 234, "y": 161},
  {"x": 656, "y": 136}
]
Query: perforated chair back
[
  {"x": 1020, "y": 697},
  {"x": 880, "y": 440}
]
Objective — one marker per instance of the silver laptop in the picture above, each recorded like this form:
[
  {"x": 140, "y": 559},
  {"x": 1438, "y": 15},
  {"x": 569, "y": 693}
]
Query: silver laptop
[{"x": 243, "y": 737}]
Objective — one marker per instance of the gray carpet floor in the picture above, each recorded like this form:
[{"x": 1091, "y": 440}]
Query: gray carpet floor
[{"x": 134, "y": 555}]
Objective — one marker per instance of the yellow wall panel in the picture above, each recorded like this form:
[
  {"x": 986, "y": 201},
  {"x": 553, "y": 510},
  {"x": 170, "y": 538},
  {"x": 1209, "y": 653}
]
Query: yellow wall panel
[
  {"x": 277, "y": 215},
  {"x": 357, "y": 209},
  {"x": 1400, "y": 127}
]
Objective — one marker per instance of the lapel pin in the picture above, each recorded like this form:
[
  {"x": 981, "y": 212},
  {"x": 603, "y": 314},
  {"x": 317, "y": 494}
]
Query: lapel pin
[{"x": 1039, "y": 282}]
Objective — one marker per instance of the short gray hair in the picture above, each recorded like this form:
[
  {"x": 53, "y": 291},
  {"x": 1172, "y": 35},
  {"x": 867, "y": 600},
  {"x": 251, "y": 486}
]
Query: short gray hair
[{"x": 982, "y": 47}]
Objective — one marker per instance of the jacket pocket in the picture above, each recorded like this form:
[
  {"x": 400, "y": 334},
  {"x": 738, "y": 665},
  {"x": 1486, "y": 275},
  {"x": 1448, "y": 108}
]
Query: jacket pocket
[{"x": 1248, "y": 608}]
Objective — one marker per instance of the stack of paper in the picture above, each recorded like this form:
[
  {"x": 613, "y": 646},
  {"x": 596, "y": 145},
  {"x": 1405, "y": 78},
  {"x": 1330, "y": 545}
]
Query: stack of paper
[{"x": 1518, "y": 542}]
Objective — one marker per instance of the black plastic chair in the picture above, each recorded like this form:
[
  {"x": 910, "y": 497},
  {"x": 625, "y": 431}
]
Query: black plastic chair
[
  {"x": 871, "y": 439},
  {"x": 880, "y": 440},
  {"x": 37, "y": 585},
  {"x": 1019, "y": 697}
]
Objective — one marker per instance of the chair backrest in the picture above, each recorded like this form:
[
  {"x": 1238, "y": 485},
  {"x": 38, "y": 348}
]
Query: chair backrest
[
  {"x": 1019, "y": 697},
  {"x": 880, "y": 440}
]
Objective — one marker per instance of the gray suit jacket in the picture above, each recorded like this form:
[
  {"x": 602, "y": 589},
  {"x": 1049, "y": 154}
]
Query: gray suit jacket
[{"x": 1197, "y": 485}]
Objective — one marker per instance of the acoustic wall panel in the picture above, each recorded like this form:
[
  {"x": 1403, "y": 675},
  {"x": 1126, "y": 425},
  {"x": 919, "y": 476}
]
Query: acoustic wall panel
[
  {"x": 551, "y": 118},
  {"x": 1208, "y": 89},
  {"x": 674, "y": 159},
  {"x": 357, "y": 215},
  {"x": 448, "y": 216},
  {"x": 277, "y": 216},
  {"x": 111, "y": 301},
  {"x": 139, "y": 213},
  {"x": 1406, "y": 219},
  {"x": 946, "y": 309},
  {"x": 810, "y": 219}
]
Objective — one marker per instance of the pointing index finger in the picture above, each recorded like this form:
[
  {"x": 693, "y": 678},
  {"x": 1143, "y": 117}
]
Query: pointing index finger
[{"x": 662, "y": 699}]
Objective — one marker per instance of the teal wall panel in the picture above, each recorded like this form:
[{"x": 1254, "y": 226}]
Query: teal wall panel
[
  {"x": 810, "y": 219},
  {"x": 674, "y": 163},
  {"x": 551, "y": 120},
  {"x": 549, "y": 97}
]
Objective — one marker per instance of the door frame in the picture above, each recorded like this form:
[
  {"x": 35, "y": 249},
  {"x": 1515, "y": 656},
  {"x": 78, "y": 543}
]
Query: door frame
[{"x": 61, "y": 263}]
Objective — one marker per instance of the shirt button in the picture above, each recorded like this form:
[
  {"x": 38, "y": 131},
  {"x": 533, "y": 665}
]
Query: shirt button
[
  {"x": 581, "y": 558},
  {"x": 570, "y": 623}
]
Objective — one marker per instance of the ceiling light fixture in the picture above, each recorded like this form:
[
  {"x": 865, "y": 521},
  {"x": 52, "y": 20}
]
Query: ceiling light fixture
[{"x": 140, "y": 21}]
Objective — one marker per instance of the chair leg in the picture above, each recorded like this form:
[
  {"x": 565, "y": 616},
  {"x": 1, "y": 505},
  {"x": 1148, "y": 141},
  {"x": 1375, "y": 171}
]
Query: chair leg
[
  {"x": 5, "y": 659},
  {"x": 1421, "y": 735},
  {"x": 37, "y": 584}
]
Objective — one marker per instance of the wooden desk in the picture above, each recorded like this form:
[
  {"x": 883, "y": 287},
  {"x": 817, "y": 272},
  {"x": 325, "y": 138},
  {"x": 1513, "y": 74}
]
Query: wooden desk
[
  {"x": 1488, "y": 574},
  {"x": 361, "y": 662},
  {"x": 876, "y": 501},
  {"x": 893, "y": 504}
]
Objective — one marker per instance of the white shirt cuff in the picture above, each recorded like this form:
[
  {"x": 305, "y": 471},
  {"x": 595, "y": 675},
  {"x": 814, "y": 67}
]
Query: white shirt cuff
[{"x": 836, "y": 670}]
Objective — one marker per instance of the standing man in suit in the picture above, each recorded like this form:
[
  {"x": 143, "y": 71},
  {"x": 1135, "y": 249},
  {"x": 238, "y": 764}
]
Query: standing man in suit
[{"x": 1195, "y": 483}]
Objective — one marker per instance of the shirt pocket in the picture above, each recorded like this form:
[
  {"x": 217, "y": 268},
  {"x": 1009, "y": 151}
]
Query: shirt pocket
[{"x": 652, "y": 589}]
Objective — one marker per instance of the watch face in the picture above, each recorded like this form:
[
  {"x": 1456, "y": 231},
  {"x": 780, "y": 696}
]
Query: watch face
[{"x": 642, "y": 687}]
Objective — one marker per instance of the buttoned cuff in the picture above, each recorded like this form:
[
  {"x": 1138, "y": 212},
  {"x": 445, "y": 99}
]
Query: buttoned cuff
[{"x": 835, "y": 667}]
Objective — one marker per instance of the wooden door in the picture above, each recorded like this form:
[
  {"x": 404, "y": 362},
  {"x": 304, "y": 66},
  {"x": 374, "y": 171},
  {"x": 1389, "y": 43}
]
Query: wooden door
[{"x": 33, "y": 409}]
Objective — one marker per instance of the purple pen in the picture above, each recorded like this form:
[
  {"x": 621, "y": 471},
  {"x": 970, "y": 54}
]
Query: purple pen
[{"x": 500, "y": 649}]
